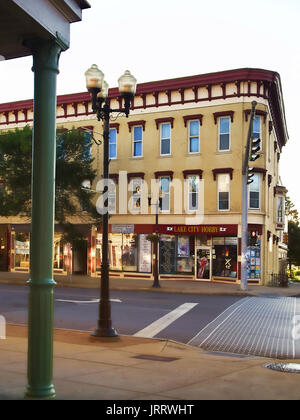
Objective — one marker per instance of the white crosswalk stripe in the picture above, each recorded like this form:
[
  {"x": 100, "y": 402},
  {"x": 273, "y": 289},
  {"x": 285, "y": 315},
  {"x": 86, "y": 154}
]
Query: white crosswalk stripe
[{"x": 156, "y": 327}]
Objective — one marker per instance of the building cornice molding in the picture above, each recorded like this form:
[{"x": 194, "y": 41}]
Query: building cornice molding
[
  {"x": 191, "y": 172},
  {"x": 268, "y": 86},
  {"x": 192, "y": 117},
  {"x": 222, "y": 171}
]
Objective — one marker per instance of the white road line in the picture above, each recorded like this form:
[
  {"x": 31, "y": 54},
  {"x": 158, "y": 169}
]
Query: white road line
[
  {"x": 162, "y": 323},
  {"x": 244, "y": 301},
  {"x": 86, "y": 301},
  {"x": 293, "y": 338}
]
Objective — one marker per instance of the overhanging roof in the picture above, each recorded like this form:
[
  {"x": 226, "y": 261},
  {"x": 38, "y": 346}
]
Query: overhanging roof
[{"x": 21, "y": 20}]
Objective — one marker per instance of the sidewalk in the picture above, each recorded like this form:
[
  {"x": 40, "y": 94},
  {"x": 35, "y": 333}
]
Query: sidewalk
[
  {"x": 168, "y": 286},
  {"x": 136, "y": 369}
]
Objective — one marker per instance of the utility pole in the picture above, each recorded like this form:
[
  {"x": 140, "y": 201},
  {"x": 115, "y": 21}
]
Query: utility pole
[{"x": 245, "y": 182}]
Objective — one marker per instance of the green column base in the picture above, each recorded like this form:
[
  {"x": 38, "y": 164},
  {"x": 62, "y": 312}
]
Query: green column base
[{"x": 45, "y": 393}]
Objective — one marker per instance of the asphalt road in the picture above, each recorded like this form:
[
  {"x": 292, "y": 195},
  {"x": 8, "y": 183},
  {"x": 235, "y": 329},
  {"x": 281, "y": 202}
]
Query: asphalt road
[
  {"x": 176, "y": 317},
  {"x": 267, "y": 326}
]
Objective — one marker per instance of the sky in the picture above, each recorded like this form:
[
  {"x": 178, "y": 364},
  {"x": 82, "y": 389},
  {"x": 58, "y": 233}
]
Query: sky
[{"x": 163, "y": 39}]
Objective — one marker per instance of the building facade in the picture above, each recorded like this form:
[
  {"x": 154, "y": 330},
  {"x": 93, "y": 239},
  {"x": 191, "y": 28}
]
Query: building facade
[{"x": 185, "y": 140}]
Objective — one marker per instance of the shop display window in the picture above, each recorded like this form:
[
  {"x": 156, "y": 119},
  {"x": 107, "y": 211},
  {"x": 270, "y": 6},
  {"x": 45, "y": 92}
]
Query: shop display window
[
  {"x": 115, "y": 251},
  {"x": 225, "y": 257},
  {"x": 61, "y": 255},
  {"x": 127, "y": 252},
  {"x": 22, "y": 250},
  {"x": 176, "y": 254},
  {"x": 254, "y": 257},
  {"x": 130, "y": 253}
]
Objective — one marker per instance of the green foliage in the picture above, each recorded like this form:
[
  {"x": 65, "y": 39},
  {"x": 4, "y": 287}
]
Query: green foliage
[
  {"x": 15, "y": 171},
  {"x": 294, "y": 243},
  {"x": 291, "y": 211},
  {"x": 153, "y": 237},
  {"x": 73, "y": 166},
  {"x": 73, "y": 236},
  {"x": 297, "y": 273}
]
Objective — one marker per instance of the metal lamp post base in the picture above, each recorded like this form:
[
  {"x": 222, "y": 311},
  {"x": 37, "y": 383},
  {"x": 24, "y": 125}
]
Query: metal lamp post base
[{"x": 105, "y": 332}]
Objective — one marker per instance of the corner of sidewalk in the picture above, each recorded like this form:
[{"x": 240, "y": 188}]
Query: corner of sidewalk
[{"x": 135, "y": 369}]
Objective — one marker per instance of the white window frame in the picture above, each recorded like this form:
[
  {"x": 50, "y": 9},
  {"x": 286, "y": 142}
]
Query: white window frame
[
  {"x": 190, "y": 193},
  {"x": 169, "y": 138},
  {"x": 280, "y": 198},
  {"x": 219, "y": 135},
  {"x": 218, "y": 192},
  {"x": 109, "y": 143},
  {"x": 137, "y": 195},
  {"x": 259, "y": 118},
  {"x": 169, "y": 194},
  {"x": 259, "y": 192},
  {"x": 137, "y": 141},
  {"x": 193, "y": 137}
]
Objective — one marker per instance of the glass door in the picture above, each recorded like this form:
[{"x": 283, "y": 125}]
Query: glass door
[{"x": 203, "y": 263}]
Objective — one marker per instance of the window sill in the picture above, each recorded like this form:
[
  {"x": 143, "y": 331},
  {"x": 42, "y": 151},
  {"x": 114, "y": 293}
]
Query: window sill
[
  {"x": 193, "y": 154},
  {"x": 165, "y": 156}
]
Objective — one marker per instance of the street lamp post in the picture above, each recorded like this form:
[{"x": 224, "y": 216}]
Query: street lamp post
[
  {"x": 98, "y": 89},
  {"x": 155, "y": 270}
]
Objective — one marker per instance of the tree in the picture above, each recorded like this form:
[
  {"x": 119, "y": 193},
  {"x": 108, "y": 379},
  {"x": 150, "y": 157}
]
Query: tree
[
  {"x": 73, "y": 167},
  {"x": 290, "y": 210},
  {"x": 294, "y": 244}
]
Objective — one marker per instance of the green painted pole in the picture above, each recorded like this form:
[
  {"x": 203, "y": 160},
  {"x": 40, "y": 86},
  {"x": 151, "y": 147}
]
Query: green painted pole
[{"x": 41, "y": 284}]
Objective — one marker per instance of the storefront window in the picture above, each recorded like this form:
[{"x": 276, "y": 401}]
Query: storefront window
[
  {"x": 167, "y": 253},
  {"x": 22, "y": 250},
  {"x": 127, "y": 252},
  {"x": 145, "y": 254},
  {"x": 225, "y": 257},
  {"x": 58, "y": 255},
  {"x": 254, "y": 257},
  {"x": 115, "y": 251},
  {"x": 176, "y": 254},
  {"x": 129, "y": 257},
  {"x": 98, "y": 252}
]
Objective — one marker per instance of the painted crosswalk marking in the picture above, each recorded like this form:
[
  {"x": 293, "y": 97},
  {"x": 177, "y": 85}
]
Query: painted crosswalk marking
[
  {"x": 86, "y": 301},
  {"x": 258, "y": 326},
  {"x": 162, "y": 323}
]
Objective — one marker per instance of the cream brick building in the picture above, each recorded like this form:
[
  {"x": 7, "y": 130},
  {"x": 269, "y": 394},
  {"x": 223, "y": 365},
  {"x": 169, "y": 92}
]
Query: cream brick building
[{"x": 191, "y": 129}]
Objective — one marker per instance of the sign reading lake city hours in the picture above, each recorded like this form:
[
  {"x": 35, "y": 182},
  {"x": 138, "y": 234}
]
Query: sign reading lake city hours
[{"x": 220, "y": 230}]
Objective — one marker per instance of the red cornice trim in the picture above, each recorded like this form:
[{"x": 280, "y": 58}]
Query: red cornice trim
[
  {"x": 135, "y": 175},
  {"x": 257, "y": 112},
  {"x": 115, "y": 125},
  {"x": 204, "y": 80},
  {"x": 280, "y": 190},
  {"x": 222, "y": 171},
  {"x": 223, "y": 114},
  {"x": 164, "y": 173},
  {"x": 164, "y": 120},
  {"x": 193, "y": 117},
  {"x": 135, "y": 123},
  {"x": 260, "y": 171},
  {"x": 189, "y": 172},
  {"x": 270, "y": 80}
]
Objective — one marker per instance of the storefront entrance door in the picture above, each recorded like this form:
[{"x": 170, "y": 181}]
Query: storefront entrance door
[{"x": 203, "y": 263}]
